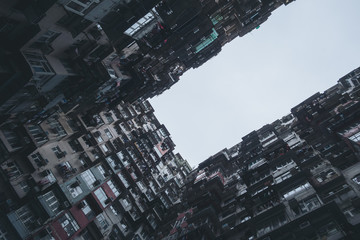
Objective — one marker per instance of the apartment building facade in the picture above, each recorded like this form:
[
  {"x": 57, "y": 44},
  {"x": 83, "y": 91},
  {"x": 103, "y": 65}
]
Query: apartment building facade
[
  {"x": 296, "y": 178},
  {"x": 97, "y": 175},
  {"x": 107, "y": 51}
]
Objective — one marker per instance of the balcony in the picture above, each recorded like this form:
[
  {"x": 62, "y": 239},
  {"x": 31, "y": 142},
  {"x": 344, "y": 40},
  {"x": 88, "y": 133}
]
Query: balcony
[
  {"x": 256, "y": 163},
  {"x": 25, "y": 220},
  {"x": 299, "y": 192},
  {"x": 44, "y": 178},
  {"x": 271, "y": 224},
  {"x": 37, "y": 134},
  {"x": 304, "y": 205},
  {"x": 325, "y": 177},
  {"x": 231, "y": 214},
  {"x": 123, "y": 180},
  {"x": 66, "y": 170},
  {"x": 126, "y": 204},
  {"x": 335, "y": 192},
  {"x": 282, "y": 168},
  {"x": 11, "y": 170},
  {"x": 263, "y": 207}
]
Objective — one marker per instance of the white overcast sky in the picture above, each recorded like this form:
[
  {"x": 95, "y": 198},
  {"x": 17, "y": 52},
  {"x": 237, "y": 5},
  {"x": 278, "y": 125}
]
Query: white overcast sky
[{"x": 303, "y": 48}]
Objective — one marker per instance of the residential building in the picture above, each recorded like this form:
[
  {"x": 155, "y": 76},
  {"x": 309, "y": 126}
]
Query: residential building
[
  {"x": 104, "y": 52},
  {"x": 296, "y": 178},
  {"x": 89, "y": 175}
]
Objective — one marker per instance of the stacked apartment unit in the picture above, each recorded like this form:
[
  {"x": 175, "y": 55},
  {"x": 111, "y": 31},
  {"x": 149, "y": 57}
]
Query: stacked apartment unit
[
  {"x": 296, "y": 178},
  {"x": 108, "y": 174},
  {"x": 106, "y": 51}
]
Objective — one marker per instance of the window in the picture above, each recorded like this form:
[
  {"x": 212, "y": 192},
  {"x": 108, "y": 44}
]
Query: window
[
  {"x": 38, "y": 159},
  {"x": 123, "y": 180},
  {"x": 297, "y": 190},
  {"x": 12, "y": 170},
  {"x": 38, "y": 62},
  {"x": 52, "y": 202},
  {"x": 109, "y": 117},
  {"x": 126, "y": 202},
  {"x": 38, "y": 134},
  {"x": 215, "y": 19},
  {"x": 206, "y": 41},
  {"x": 69, "y": 224},
  {"x": 105, "y": 148},
  {"x": 113, "y": 188},
  {"x": 326, "y": 175},
  {"x": 56, "y": 127},
  {"x": 26, "y": 217},
  {"x": 85, "y": 208},
  {"x": 46, "y": 38},
  {"x": 89, "y": 178},
  {"x": 120, "y": 155},
  {"x": 141, "y": 186},
  {"x": 99, "y": 139},
  {"x": 12, "y": 139},
  {"x": 108, "y": 133},
  {"x": 48, "y": 177},
  {"x": 101, "y": 196},
  {"x": 111, "y": 161},
  {"x": 58, "y": 152},
  {"x": 355, "y": 137},
  {"x": 139, "y": 24},
  {"x": 24, "y": 186},
  {"x": 356, "y": 179},
  {"x": 309, "y": 204},
  {"x": 75, "y": 6},
  {"x": 102, "y": 221},
  {"x": 163, "y": 132}
]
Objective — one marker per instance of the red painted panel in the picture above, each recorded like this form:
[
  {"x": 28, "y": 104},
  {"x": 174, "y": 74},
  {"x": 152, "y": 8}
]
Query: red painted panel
[
  {"x": 108, "y": 191},
  {"x": 79, "y": 216},
  {"x": 60, "y": 232}
]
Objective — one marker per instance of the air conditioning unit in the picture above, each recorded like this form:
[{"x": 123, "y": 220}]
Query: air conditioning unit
[{"x": 66, "y": 204}]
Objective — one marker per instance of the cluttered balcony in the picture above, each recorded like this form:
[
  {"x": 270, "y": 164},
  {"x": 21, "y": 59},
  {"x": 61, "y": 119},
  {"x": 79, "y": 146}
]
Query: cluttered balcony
[
  {"x": 53, "y": 129},
  {"x": 58, "y": 158},
  {"x": 27, "y": 219},
  {"x": 264, "y": 201},
  {"x": 323, "y": 174},
  {"x": 65, "y": 170},
  {"x": 37, "y": 134},
  {"x": 76, "y": 188}
]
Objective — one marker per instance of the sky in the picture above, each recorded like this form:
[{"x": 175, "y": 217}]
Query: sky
[{"x": 303, "y": 48}]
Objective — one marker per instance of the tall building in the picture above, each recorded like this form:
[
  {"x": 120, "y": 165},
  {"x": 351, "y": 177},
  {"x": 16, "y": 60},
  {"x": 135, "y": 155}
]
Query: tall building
[
  {"x": 104, "y": 52},
  {"x": 296, "y": 178},
  {"x": 112, "y": 174},
  {"x": 108, "y": 174},
  {"x": 82, "y": 155}
]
